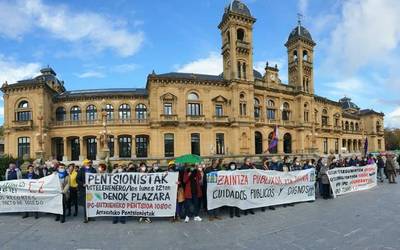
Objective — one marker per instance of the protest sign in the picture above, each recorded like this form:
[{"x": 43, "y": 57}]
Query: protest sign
[
  {"x": 131, "y": 194},
  {"x": 257, "y": 188},
  {"x": 39, "y": 195},
  {"x": 352, "y": 179}
]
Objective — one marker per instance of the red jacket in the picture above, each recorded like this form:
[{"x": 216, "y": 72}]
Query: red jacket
[{"x": 188, "y": 188}]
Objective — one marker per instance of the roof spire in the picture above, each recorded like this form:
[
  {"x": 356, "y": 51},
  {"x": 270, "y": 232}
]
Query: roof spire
[{"x": 299, "y": 18}]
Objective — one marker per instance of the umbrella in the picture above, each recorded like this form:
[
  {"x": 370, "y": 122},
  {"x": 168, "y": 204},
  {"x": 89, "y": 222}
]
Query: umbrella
[{"x": 191, "y": 159}]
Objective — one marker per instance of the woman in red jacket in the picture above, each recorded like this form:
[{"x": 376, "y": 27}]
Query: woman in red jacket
[{"x": 192, "y": 179}]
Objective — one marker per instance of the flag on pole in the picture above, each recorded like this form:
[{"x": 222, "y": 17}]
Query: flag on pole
[
  {"x": 366, "y": 146},
  {"x": 274, "y": 141}
]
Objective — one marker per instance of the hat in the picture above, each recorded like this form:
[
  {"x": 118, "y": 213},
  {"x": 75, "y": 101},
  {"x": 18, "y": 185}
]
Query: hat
[
  {"x": 86, "y": 162},
  {"x": 171, "y": 163}
]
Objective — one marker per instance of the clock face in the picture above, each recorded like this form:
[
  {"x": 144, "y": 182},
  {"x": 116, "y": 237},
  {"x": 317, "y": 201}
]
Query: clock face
[{"x": 272, "y": 77}]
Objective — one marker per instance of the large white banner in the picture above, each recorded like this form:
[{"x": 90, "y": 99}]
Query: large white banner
[
  {"x": 352, "y": 179},
  {"x": 131, "y": 194},
  {"x": 40, "y": 195},
  {"x": 257, "y": 188}
]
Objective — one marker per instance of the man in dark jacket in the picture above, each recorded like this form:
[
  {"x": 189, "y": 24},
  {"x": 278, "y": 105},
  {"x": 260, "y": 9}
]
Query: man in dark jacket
[
  {"x": 87, "y": 168},
  {"x": 381, "y": 168},
  {"x": 215, "y": 166},
  {"x": 247, "y": 164},
  {"x": 30, "y": 175}
]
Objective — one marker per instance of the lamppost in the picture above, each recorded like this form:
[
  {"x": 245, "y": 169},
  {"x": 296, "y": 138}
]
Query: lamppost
[
  {"x": 104, "y": 134},
  {"x": 41, "y": 135}
]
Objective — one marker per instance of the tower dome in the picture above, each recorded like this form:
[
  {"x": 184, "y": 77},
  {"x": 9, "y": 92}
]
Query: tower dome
[
  {"x": 300, "y": 32},
  {"x": 238, "y": 7}
]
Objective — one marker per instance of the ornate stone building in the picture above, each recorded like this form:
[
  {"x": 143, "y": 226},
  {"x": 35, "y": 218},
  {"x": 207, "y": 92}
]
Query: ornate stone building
[{"x": 233, "y": 113}]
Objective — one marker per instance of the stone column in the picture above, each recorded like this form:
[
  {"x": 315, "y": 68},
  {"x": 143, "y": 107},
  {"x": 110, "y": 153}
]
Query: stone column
[
  {"x": 65, "y": 149},
  {"x": 133, "y": 147},
  {"x": 81, "y": 156},
  {"x": 98, "y": 148},
  {"x": 116, "y": 147}
]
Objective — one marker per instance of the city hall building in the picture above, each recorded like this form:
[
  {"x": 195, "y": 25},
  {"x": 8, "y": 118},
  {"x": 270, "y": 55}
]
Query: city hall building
[{"x": 230, "y": 114}]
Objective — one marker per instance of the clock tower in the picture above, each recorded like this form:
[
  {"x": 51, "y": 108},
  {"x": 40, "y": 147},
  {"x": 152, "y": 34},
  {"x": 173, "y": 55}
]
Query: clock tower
[
  {"x": 237, "y": 42},
  {"x": 300, "y": 50}
]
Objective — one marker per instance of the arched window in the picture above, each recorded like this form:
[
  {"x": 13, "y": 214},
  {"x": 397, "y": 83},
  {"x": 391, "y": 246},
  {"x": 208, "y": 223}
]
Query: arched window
[
  {"x": 244, "y": 70},
  {"x": 193, "y": 105},
  {"x": 109, "y": 109},
  {"x": 91, "y": 148},
  {"x": 285, "y": 111},
  {"x": 295, "y": 55},
  {"x": 193, "y": 96},
  {"x": 240, "y": 34},
  {"x": 23, "y": 111},
  {"x": 287, "y": 143},
  {"x": 242, "y": 105},
  {"x": 357, "y": 127},
  {"x": 125, "y": 112},
  {"x": 256, "y": 108},
  {"x": 271, "y": 110},
  {"x": 351, "y": 126},
  {"x": 239, "y": 70},
  {"x": 23, "y": 105},
  {"x": 273, "y": 149},
  {"x": 75, "y": 113},
  {"x": 258, "y": 140},
  {"x": 305, "y": 55},
  {"x": 141, "y": 112},
  {"x": 61, "y": 114},
  {"x": 91, "y": 113}
]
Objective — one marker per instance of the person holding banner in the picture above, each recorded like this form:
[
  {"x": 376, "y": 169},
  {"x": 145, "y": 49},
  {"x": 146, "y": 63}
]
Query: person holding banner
[
  {"x": 30, "y": 175},
  {"x": 87, "y": 168},
  {"x": 73, "y": 188},
  {"x": 192, "y": 178},
  {"x": 64, "y": 182},
  {"x": 247, "y": 164},
  {"x": 215, "y": 167},
  {"x": 143, "y": 169},
  {"x": 122, "y": 219},
  {"x": 391, "y": 168},
  {"x": 323, "y": 176},
  {"x": 233, "y": 210},
  {"x": 13, "y": 173}
]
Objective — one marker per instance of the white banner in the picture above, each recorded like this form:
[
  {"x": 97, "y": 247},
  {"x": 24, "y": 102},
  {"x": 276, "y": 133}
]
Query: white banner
[
  {"x": 39, "y": 195},
  {"x": 247, "y": 189},
  {"x": 352, "y": 179},
  {"x": 131, "y": 194}
]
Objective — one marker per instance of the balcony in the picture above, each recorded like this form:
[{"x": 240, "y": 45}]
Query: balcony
[
  {"x": 337, "y": 128},
  {"x": 116, "y": 122},
  {"x": 169, "y": 119},
  {"x": 259, "y": 121},
  {"x": 22, "y": 125},
  {"x": 195, "y": 119},
  {"x": 288, "y": 123},
  {"x": 221, "y": 119},
  {"x": 271, "y": 122},
  {"x": 243, "y": 45}
]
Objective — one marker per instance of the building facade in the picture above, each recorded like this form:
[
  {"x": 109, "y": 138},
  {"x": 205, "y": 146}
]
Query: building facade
[{"x": 233, "y": 113}]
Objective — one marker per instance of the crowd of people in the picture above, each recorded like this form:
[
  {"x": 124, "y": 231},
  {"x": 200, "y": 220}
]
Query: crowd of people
[{"x": 192, "y": 181}]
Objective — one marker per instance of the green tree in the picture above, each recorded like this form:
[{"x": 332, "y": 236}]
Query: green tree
[{"x": 392, "y": 139}]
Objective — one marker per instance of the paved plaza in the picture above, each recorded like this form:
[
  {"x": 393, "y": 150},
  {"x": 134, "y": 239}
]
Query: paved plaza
[{"x": 363, "y": 220}]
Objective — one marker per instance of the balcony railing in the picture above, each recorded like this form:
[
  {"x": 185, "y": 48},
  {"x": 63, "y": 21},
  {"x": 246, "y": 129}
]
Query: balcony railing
[
  {"x": 195, "y": 118},
  {"x": 169, "y": 118},
  {"x": 97, "y": 122},
  {"x": 22, "y": 124},
  {"x": 220, "y": 119},
  {"x": 242, "y": 45}
]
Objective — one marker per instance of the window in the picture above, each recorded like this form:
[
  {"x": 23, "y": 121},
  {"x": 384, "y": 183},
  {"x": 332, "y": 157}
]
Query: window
[
  {"x": 167, "y": 108},
  {"x": 193, "y": 97},
  {"x": 244, "y": 70},
  {"x": 337, "y": 146},
  {"x": 305, "y": 55},
  {"x": 287, "y": 143},
  {"x": 325, "y": 145},
  {"x": 24, "y": 145},
  {"x": 220, "y": 144},
  {"x": 306, "y": 112},
  {"x": 243, "y": 108},
  {"x": 357, "y": 127},
  {"x": 169, "y": 145},
  {"x": 378, "y": 127},
  {"x": 23, "y": 112},
  {"x": 58, "y": 148},
  {"x": 256, "y": 108},
  {"x": 347, "y": 125},
  {"x": 75, "y": 149},
  {"x": 351, "y": 126},
  {"x": 141, "y": 112},
  {"x": 336, "y": 122},
  {"x": 240, "y": 34},
  {"x": 195, "y": 143},
  {"x": 193, "y": 109},
  {"x": 142, "y": 142},
  {"x": 91, "y": 113},
  {"x": 125, "y": 146},
  {"x": 324, "y": 118},
  {"x": 61, "y": 114},
  {"x": 285, "y": 111},
  {"x": 75, "y": 113},
  {"x": 91, "y": 148},
  {"x": 239, "y": 70},
  {"x": 109, "y": 109},
  {"x": 258, "y": 143},
  {"x": 295, "y": 55},
  {"x": 125, "y": 112},
  {"x": 270, "y": 110},
  {"x": 219, "y": 110},
  {"x": 110, "y": 144}
]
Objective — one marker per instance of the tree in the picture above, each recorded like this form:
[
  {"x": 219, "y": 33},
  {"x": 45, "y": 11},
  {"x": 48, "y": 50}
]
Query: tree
[{"x": 392, "y": 139}]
